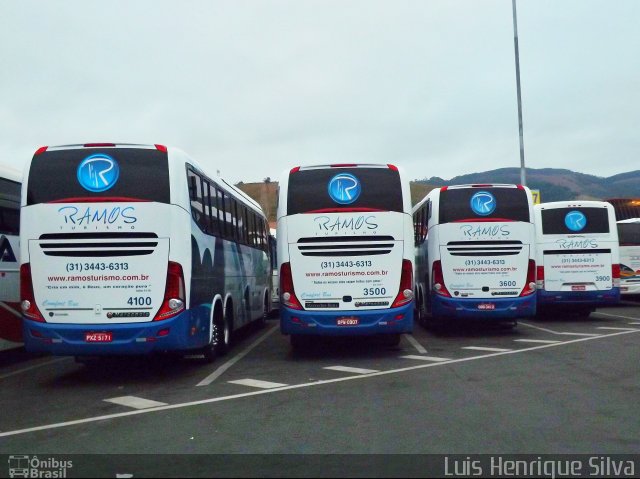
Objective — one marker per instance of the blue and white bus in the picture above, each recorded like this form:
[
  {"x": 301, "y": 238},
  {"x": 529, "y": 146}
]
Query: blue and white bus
[
  {"x": 345, "y": 252},
  {"x": 629, "y": 238},
  {"x": 130, "y": 249},
  {"x": 10, "y": 315},
  {"x": 475, "y": 253},
  {"x": 577, "y": 255}
]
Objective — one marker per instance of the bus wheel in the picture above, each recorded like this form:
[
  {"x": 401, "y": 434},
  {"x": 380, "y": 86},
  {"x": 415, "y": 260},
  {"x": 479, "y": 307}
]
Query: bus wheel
[
  {"x": 262, "y": 322},
  {"x": 299, "y": 343},
  {"x": 220, "y": 339}
]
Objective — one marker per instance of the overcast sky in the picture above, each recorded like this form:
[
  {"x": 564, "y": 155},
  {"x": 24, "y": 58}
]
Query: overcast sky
[{"x": 252, "y": 88}]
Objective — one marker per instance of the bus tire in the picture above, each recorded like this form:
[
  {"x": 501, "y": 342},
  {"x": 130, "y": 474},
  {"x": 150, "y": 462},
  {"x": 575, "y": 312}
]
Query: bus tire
[
  {"x": 299, "y": 343},
  {"x": 392, "y": 340},
  {"x": 220, "y": 338},
  {"x": 262, "y": 321}
]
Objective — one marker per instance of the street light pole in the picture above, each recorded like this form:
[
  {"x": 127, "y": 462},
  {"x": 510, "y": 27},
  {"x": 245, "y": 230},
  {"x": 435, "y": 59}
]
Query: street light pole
[{"x": 523, "y": 175}]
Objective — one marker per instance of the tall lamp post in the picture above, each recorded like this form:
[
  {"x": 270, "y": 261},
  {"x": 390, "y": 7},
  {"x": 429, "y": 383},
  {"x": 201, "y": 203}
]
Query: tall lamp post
[{"x": 523, "y": 175}]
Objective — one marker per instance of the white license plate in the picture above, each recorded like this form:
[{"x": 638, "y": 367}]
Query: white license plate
[{"x": 578, "y": 287}]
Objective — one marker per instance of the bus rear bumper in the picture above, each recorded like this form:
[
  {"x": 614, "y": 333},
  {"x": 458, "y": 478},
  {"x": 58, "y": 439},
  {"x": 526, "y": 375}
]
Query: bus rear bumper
[
  {"x": 630, "y": 288},
  {"x": 585, "y": 298},
  {"x": 127, "y": 339},
  {"x": 484, "y": 309},
  {"x": 372, "y": 322}
]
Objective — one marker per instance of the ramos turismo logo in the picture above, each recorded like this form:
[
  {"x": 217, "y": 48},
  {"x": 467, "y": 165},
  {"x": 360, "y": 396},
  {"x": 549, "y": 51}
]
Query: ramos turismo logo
[
  {"x": 483, "y": 203},
  {"x": 344, "y": 188},
  {"x": 575, "y": 220},
  {"x": 98, "y": 172}
]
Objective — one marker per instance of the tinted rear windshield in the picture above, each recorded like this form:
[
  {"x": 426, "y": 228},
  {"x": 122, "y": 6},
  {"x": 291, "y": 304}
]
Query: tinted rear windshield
[
  {"x": 558, "y": 221},
  {"x": 9, "y": 207},
  {"x": 56, "y": 175},
  {"x": 344, "y": 188},
  {"x": 473, "y": 204},
  {"x": 629, "y": 233}
]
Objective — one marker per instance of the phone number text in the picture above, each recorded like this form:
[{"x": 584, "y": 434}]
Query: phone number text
[
  {"x": 479, "y": 262},
  {"x": 345, "y": 264},
  {"x": 80, "y": 267}
]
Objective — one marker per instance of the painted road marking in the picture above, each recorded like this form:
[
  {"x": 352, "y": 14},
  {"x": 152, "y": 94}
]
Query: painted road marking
[
  {"x": 482, "y": 348},
  {"x": 202, "y": 402},
  {"x": 346, "y": 369},
  {"x": 426, "y": 358},
  {"x": 635, "y": 323},
  {"x": 541, "y": 341},
  {"x": 414, "y": 342},
  {"x": 35, "y": 366},
  {"x": 222, "y": 369},
  {"x": 256, "y": 383},
  {"x": 586, "y": 335},
  {"x": 135, "y": 402},
  {"x": 609, "y": 328},
  {"x": 598, "y": 313}
]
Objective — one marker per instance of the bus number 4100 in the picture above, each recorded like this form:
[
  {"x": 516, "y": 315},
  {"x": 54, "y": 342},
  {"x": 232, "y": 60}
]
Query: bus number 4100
[{"x": 139, "y": 301}]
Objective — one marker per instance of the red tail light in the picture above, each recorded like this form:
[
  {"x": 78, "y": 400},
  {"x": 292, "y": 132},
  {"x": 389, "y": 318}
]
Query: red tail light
[
  {"x": 437, "y": 280},
  {"x": 615, "y": 274},
  {"x": 540, "y": 277},
  {"x": 287, "y": 293},
  {"x": 174, "y": 293},
  {"x": 405, "y": 293},
  {"x": 530, "y": 286},
  {"x": 40, "y": 150},
  {"x": 27, "y": 298},
  {"x": 161, "y": 148}
]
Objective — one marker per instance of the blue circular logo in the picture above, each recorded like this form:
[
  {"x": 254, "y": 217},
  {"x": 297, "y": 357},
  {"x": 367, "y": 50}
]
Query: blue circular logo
[
  {"x": 483, "y": 203},
  {"x": 575, "y": 220},
  {"x": 98, "y": 172},
  {"x": 344, "y": 188}
]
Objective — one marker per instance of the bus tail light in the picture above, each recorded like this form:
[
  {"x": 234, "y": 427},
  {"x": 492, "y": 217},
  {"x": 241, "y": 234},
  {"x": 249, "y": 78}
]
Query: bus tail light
[
  {"x": 288, "y": 295},
  {"x": 540, "y": 277},
  {"x": 437, "y": 280},
  {"x": 530, "y": 286},
  {"x": 27, "y": 298},
  {"x": 405, "y": 294},
  {"x": 174, "y": 293},
  {"x": 615, "y": 274}
]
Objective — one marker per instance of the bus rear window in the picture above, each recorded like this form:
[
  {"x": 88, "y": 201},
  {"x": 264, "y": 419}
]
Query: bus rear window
[
  {"x": 143, "y": 175},
  {"x": 554, "y": 221},
  {"x": 9, "y": 207},
  {"x": 629, "y": 234},
  {"x": 373, "y": 188},
  {"x": 509, "y": 204}
]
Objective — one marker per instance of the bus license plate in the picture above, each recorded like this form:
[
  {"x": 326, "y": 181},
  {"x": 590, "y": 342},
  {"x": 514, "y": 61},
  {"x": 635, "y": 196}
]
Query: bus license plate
[
  {"x": 350, "y": 321},
  {"x": 487, "y": 306},
  {"x": 578, "y": 287},
  {"x": 98, "y": 337}
]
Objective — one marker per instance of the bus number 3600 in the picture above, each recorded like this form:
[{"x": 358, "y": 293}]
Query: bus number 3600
[
  {"x": 139, "y": 301},
  {"x": 375, "y": 291}
]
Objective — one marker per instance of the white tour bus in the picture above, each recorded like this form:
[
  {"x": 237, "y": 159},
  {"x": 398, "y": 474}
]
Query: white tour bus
[
  {"x": 10, "y": 315},
  {"x": 344, "y": 252},
  {"x": 577, "y": 256},
  {"x": 475, "y": 253},
  {"x": 129, "y": 249},
  {"x": 629, "y": 238}
]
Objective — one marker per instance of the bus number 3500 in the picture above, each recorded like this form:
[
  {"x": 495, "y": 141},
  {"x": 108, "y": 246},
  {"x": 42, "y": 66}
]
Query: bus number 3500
[
  {"x": 139, "y": 301},
  {"x": 375, "y": 291}
]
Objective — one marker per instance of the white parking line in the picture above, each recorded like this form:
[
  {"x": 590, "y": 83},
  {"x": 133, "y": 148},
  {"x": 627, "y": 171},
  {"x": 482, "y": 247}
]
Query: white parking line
[
  {"x": 202, "y": 402},
  {"x": 35, "y": 366},
  {"x": 482, "y": 348},
  {"x": 598, "y": 313},
  {"x": 346, "y": 369},
  {"x": 635, "y": 323},
  {"x": 541, "y": 341},
  {"x": 586, "y": 335},
  {"x": 135, "y": 402},
  {"x": 256, "y": 383},
  {"x": 426, "y": 358},
  {"x": 610, "y": 328},
  {"x": 222, "y": 369},
  {"x": 414, "y": 342}
]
